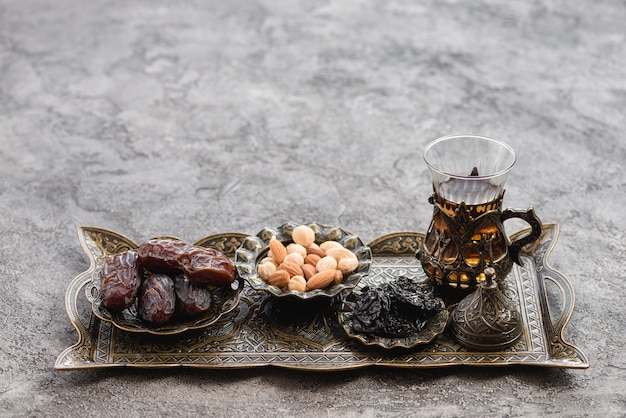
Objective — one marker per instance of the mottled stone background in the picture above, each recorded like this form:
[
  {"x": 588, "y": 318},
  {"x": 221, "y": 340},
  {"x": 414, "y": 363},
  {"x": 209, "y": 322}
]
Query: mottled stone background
[{"x": 197, "y": 117}]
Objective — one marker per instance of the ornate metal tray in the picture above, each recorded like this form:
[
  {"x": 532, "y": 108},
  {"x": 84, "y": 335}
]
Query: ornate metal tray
[{"x": 266, "y": 331}]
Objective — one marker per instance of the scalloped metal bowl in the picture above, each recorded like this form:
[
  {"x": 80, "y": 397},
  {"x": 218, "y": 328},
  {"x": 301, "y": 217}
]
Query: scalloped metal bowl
[
  {"x": 255, "y": 248},
  {"x": 225, "y": 298},
  {"x": 436, "y": 325}
]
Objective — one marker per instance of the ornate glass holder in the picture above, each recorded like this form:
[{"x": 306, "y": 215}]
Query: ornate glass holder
[
  {"x": 466, "y": 234},
  {"x": 486, "y": 319}
]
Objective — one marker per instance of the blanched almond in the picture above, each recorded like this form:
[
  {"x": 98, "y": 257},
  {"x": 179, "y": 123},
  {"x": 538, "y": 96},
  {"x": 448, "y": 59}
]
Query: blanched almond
[
  {"x": 321, "y": 280},
  {"x": 324, "y": 246},
  {"x": 339, "y": 253},
  {"x": 326, "y": 263},
  {"x": 347, "y": 264}
]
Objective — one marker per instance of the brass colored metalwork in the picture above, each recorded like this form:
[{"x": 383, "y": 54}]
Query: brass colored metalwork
[
  {"x": 486, "y": 319},
  {"x": 463, "y": 240},
  {"x": 267, "y": 331},
  {"x": 255, "y": 247},
  {"x": 100, "y": 243},
  {"x": 436, "y": 326}
]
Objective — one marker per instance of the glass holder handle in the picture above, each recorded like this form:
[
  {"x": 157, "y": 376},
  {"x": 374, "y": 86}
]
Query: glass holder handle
[{"x": 529, "y": 217}]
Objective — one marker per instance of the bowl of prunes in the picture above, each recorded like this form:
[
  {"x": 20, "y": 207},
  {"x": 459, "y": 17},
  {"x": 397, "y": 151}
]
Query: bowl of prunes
[
  {"x": 165, "y": 286},
  {"x": 303, "y": 261},
  {"x": 400, "y": 312}
]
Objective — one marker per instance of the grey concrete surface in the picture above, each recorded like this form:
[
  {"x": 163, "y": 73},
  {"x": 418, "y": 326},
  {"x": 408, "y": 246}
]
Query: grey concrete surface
[{"x": 197, "y": 117}]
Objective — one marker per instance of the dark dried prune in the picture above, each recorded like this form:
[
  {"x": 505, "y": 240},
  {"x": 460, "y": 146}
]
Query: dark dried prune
[
  {"x": 191, "y": 300},
  {"x": 161, "y": 255},
  {"x": 206, "y": 266},
  {"x": 120, "y": 279},
  {"x": 157, "y": 299},
  {"x": 394, "y": 309}
]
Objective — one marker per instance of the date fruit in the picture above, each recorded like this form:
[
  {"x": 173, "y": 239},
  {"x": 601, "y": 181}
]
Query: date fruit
[
  {"x": 157, "y": 300},
  {"x": 120, "y": 279},
  {"x": 207, "y": 267},
  {"x": 191, "y": 300},
  {"x": 161, "y": 255}
]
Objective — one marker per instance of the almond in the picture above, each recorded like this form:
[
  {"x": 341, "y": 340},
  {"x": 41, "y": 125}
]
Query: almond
[
  {"x": 292, "y": 268},
  {"x": 339, "y": 253},
  {"x": 308, "y": 270},
  {"x": 314, "y": 249},
  {"x": 278, "y": 250},
  {"x": 321, "y": 280},
  {"x": 312, "y": 259},
  {"x": 326, "y": 245},
  {"x": 326, "y": 263},
  {"x": 338, "y": 277},
  {"x": 280, "y": 278}
]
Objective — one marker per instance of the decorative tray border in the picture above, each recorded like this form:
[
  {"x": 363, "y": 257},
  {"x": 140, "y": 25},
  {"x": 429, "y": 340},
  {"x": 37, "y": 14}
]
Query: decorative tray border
[{"x": 265, "y": 331}]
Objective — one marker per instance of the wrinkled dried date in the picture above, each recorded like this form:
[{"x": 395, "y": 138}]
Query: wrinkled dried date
[
  {"x": 158, "y": 296},
  {"x": 161, "y": 255},
  {"x": 157, "y": 299},
  {"x": 206, "y": 266},
  {"x": 191, "y": 300},
  {"x": 120, "y": 279}
]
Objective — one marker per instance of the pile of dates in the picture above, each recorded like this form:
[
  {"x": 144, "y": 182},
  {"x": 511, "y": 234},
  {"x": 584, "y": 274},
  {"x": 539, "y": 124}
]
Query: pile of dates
[{"x": 164, "y": 277}]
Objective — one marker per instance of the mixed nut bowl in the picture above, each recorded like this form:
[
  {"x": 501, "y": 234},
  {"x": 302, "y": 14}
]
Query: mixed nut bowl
[{"x": 303, "y": 243}]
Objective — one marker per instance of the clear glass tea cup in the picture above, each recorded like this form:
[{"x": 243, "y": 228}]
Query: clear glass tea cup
[{"x": 466, "y": 234}]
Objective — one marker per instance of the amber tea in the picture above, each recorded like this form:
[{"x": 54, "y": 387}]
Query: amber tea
[{"x": 466, "y": 234}]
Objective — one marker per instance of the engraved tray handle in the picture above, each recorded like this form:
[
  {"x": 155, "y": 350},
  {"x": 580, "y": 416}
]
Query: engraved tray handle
[{"x": 540, "y": 251}]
